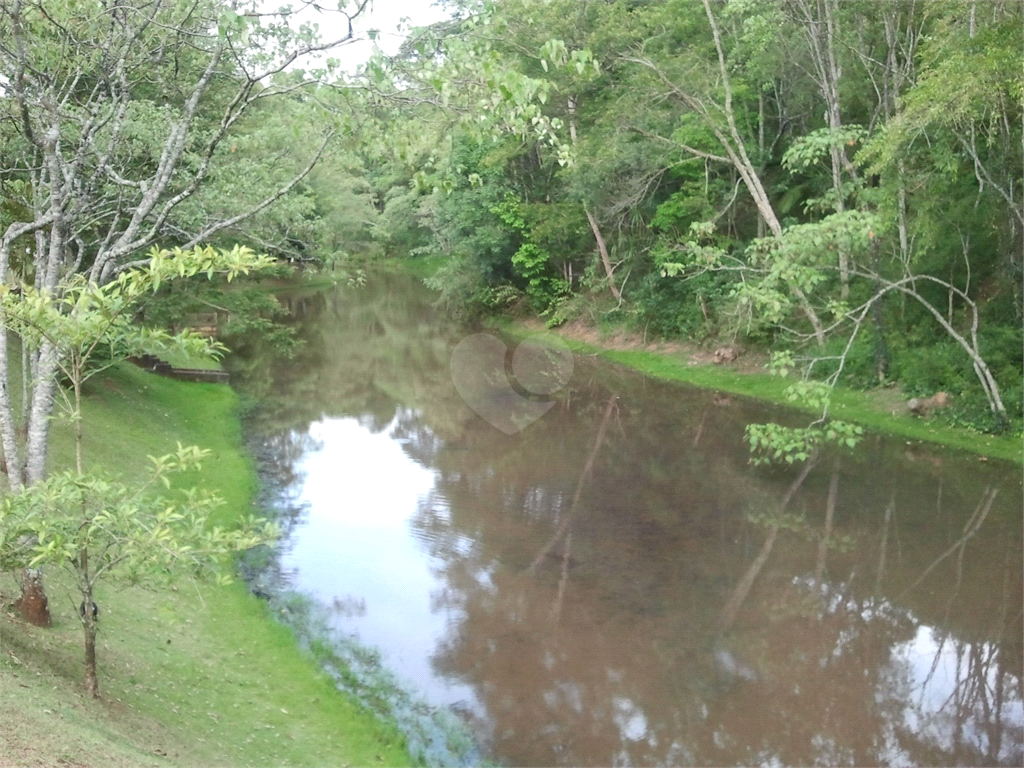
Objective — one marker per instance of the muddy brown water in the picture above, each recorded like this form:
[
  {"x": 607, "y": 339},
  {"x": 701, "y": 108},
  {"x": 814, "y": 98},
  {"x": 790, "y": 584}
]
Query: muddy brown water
[{"x": 616, "y": 584}]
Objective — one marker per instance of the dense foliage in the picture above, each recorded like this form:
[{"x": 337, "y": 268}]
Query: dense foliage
[{"x": 838, "y": 180}]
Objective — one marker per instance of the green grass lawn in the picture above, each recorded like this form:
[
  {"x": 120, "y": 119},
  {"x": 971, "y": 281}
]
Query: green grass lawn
[{"x": 195, "y": 675}]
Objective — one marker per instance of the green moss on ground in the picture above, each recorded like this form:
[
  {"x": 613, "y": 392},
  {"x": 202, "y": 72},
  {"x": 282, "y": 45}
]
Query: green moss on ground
[{"x": 197, "y": 675}]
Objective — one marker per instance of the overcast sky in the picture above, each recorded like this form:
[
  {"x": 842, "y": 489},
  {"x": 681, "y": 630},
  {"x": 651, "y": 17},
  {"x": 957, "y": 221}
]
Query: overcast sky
[{"x": 392, "y": 18}]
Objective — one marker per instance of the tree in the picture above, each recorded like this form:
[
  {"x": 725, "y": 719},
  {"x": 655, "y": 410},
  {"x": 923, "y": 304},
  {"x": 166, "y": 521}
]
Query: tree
[
  {"x": 114, "y": 118},
  {"x": 798, "y": 259},
  {"x": 949, "y": 164},
  {"x": 99, "y": 529},
  {"x": 710, "y": 98},
  {"x": 821, "y": 168},
  {"x": 822, "y": 24},
  {"x": 92, "y": 326}
]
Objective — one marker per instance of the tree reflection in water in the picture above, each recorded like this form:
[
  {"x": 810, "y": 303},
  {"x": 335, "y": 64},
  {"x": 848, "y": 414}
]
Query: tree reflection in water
[{"x": 616, "y": 585}]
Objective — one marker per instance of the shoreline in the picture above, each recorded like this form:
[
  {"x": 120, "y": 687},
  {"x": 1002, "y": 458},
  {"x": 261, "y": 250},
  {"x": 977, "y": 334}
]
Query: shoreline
[
  {"x": 882, "y": 409},
  {"x": 190, "y": 674},
  {"x": 433, "y": 736}
]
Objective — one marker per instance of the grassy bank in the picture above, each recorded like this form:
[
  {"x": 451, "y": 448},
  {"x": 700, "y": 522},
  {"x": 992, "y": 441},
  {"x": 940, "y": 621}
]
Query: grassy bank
[
  {"x": 423, "y": 266},
  {"x": 875, "y": 410},
  {"x": 196, "y": 676}
]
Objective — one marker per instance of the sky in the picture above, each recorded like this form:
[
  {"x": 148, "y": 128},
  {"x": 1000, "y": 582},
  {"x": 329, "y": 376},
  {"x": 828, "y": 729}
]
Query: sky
[{"x": 392, "y": 18}]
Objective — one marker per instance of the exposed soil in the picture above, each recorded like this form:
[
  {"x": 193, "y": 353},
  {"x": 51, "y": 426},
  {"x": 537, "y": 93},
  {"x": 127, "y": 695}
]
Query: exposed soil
[
  {"x": 747, "y": 361},
  {"x": 889, "y": 399}
]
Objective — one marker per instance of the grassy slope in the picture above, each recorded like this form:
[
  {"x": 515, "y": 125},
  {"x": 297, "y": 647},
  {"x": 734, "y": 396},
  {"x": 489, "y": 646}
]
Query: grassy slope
[
  {"x": 846, "y": 404},
  {"x": 195, "y": 676}
]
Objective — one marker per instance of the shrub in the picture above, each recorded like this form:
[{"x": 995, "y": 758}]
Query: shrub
[{"x": 670, "y": 307}]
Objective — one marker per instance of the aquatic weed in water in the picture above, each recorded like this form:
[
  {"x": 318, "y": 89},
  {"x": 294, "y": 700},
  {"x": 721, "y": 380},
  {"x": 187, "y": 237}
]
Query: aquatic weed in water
[{"x": 435, "y": 736}]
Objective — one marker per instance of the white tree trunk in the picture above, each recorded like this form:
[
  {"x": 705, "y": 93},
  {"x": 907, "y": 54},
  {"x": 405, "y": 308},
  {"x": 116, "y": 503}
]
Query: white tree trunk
[
  {"x": 8, "y": 435},
  {"x": 39, "y": 414},
  {"x": 602, "y": 248}
]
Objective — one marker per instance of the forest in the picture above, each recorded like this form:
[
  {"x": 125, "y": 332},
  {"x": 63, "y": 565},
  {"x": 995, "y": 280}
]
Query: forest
[{"x": 836, "y": 182}]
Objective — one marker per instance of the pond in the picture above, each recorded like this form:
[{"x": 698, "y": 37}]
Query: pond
[{"x": 614, "y": 583}]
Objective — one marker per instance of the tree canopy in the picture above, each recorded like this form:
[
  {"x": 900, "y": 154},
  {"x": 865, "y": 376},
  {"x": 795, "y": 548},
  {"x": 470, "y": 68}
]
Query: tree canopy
[{"x": 839, "y": 181}]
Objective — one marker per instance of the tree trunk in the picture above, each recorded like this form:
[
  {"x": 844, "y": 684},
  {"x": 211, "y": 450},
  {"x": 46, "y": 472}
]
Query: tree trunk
[
  {"x": 8, "y": 435},
  {"x": 844, "y": 259},
  {"x": 761, "y": 155},
  {"x": 893, "y": 77},
  {"x": 881, "y": 348},
  {"x": 821, "y": 30},
  {"x": 603, "y": 250},
  {"x": 78, "y": 423},
  {"x": 92, "y": 683},
  {"x": 33, "y": 603},
  {"x": 88, "y": 616},
  {"x": 39, "y": 414}
]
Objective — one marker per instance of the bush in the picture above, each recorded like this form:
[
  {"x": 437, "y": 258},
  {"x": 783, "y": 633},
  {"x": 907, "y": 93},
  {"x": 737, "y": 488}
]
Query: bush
[
  {"x": 945, "y": 365},
  {"x": 672, "y": 307},
  {"x": 924, "y": 369},
  {"x": 860, "y": 368},
  {"x": 464, "y": 290}
]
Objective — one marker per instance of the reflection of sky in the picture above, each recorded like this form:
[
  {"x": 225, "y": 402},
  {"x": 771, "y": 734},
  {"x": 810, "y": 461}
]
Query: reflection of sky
[
  {"x": 361, "y": 490},
  {"x": 357, "y": 546},
  {"x": 943, "y": 689}
]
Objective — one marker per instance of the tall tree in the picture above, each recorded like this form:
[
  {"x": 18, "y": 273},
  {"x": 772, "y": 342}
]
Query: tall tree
[{"x": 708, "y": 94}]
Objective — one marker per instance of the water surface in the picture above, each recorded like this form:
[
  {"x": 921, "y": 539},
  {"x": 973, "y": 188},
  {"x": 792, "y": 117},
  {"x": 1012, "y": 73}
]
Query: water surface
[{"x": 615, "y": 584}]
